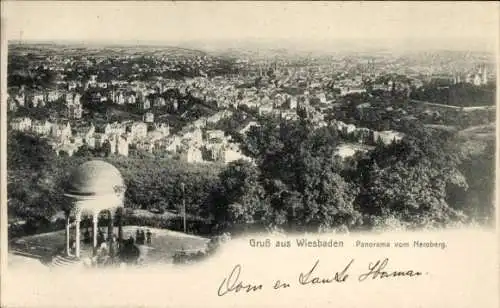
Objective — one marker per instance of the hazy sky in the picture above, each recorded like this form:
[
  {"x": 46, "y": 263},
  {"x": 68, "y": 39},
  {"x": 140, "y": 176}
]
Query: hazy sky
[{"x": 464, "y": 23}]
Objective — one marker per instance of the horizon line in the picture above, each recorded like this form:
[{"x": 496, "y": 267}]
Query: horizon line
[{"x": 353, "y": 43}]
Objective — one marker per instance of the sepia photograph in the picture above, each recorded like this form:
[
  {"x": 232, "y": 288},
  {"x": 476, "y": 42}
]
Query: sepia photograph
[{"x": 140, "y": 135}]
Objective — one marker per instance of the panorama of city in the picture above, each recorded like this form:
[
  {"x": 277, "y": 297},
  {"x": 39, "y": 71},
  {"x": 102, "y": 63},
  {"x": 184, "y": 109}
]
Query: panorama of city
[{"x": 132, "y": 155}]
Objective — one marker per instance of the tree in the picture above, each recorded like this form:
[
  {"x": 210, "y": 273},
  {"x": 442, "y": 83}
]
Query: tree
[
  {"x": 301, "y": 177},
  {"x": 240, "y": 198},
  {"x": 84, "y": 151},
  {"x": 410, "y": 179},
  {"x": 478, "y": 200},
  {"x": 106, "y": 148},
  {"x": 28, "y": 152},
  {"x": 35, "y": 181}
]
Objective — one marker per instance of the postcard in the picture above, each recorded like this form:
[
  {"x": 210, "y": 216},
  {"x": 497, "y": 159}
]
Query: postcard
[{"x": 249, "y": 154}]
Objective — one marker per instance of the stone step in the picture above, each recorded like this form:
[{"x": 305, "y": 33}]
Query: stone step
[
  {"x": 25, "y": 254},
  {"x": 60, "y": 261}
]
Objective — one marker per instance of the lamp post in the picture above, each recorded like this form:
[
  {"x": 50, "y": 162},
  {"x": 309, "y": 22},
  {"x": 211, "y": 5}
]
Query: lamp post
[{"x": 183, "y": 206}]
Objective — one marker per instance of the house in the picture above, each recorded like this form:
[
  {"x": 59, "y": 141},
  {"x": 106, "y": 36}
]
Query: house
[
  {"x": 159, "y": 102},
  {"x": 76, "y": 140},
  {"x": 163, "y": 128},
  {"x": 349, "y": 128},
  {"x": 214, "y": 134},
  {"x": 193, "y": 135},
  {"x": 74, "y": 111},
  {"x": 66, "y": 148},
  {"x": 118, "y": 98},
  {"x": 38, "y": 100},
  {"x": 61, "y": 131},
  {"x": 351, "y": 90},
  {"x": 145, "y": 104},
  {"x": 363, "y": 106},
  {"x": 92, "y": 79},
  {"x": 148, "y": 117},
  {"x": 174, "y": 104},
  {"x": 214, "y": 151},
  {"x": 97, "y": 97},
  {"x": 138, "y": 130},
  {"x": 121, "y": 146},
  {"x": 11, "y": 103},
  {"x": 322, "y": 97},
  {"x": 200, "y": 123},
  {"x": 192, "y": 155},
  {"x": 72, "y": 99},
  {"x": 292, "y": 103},
  {"x": 72, "y": 85},
  {"x": 265, "y": 109},
  {"x": 21, "y": 124},
  {"x": 379, "y": 86},
  {"x": 41, "y": 128},
  {"x": 20, "y": 98},
  {"x": 232, "y": 154},
  {"x": 99, "y": 139},
  {"x": 146, "y": 146},
  {"x": 154, "y": 136},
  {"x": 90, "y": 141},
  {"x": 173, "y": 144},
  {"x": 114, "y": 128},
  {"x": 350, "y": 149},
  {"x": 86, "y": 133},
  {"x": 219, "y": 116},
  {"x": 131, "y": 99},
  {"x": 289, "y": 115},
  {"x": 118, "y": 144},
  {"x": 250, "y": 103},
  {"x": 345, "y": 128}
]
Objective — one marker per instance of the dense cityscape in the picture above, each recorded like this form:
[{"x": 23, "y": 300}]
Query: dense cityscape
[
  {"x": 166, "y": 100},
  {"x": 240, "y": 140}
]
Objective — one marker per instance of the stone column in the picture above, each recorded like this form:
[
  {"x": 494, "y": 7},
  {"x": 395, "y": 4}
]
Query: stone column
[
  {"x": 77, "y": 234},
  {"x": 110, "y": 225},
  {"x": 120, "y": 226},
  {"x": 68, "y": 251},
  {"x": 95, "y": 219}
]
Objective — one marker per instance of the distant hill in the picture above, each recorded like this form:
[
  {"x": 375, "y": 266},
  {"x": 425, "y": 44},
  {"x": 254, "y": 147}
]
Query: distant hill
[{"x": 96, "y": 48}]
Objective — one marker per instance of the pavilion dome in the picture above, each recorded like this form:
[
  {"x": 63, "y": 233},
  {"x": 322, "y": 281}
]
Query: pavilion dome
[{"x": 95, "y": 179}]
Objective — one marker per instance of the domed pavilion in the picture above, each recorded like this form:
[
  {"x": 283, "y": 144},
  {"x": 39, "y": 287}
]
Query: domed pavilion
[{"x": 94, "y": 187}]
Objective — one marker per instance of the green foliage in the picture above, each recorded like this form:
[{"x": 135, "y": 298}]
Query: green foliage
[
  {"x": 240, "y": 198},
  {"x": 462, "y": 94},
  {"x": 156, "y": 183},
  {"x": 409, "y": 180},
  {"x": 478, "y": 202},
  {"x": 301, "y": 178},
  {"x": 34, "y": 181}
]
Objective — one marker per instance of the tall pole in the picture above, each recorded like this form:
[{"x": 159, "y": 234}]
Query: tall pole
[{"x": 183, "y": 206}]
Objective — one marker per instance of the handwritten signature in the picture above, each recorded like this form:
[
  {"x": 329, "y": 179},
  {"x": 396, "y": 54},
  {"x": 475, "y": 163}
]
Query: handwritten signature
[
  {"x": 376, "y": 270},
  {"x": 233, "y": 284}
]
